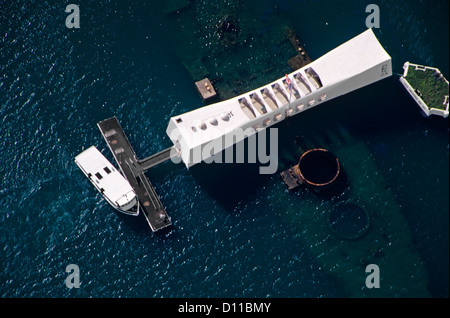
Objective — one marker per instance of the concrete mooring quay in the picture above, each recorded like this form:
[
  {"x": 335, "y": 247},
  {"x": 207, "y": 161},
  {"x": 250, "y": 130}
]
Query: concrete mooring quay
[{"x": 134, "y": 171}]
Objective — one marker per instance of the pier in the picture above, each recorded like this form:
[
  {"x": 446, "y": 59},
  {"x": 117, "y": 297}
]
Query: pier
[{"x": 134, "y": 171}]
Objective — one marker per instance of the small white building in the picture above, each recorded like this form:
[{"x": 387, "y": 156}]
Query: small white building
[{"x": 356, "y": 63}]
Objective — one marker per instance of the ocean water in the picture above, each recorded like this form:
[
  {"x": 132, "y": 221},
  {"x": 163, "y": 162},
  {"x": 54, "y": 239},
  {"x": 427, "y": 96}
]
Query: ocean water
[{"x": 235, "y": 233}]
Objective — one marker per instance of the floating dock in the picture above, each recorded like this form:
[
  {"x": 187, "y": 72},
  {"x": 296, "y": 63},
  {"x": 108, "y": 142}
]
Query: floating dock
[{"x": 134, "y": 171}]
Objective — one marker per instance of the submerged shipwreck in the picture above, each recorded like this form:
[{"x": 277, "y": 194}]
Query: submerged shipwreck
[
  {"x": 356, "y": 63},
  {"x": 428, "y": 87},
  {"x": 340, "y": 236}
]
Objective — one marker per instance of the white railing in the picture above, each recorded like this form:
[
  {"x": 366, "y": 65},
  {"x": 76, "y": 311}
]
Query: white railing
[{"x": 426, "y": 109}]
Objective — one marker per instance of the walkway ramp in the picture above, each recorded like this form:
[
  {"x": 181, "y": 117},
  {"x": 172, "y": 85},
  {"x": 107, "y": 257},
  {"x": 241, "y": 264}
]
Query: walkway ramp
[{"x": 134, "y": 171}]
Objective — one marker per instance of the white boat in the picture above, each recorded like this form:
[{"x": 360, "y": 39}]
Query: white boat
[{"x": 108, "y": 181}]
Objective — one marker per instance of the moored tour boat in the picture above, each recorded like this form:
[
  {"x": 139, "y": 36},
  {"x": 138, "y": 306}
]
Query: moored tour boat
[{"x": 108, "y": 181}]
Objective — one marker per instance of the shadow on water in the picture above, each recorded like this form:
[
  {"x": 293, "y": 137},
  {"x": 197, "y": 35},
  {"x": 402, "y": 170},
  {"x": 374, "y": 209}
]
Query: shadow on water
[
  {"x": 138, "y": 225},
  {"x": 251, "y": 168},
  {"x": 337, "y": 189},
  {"x": 228, "y": 184}
]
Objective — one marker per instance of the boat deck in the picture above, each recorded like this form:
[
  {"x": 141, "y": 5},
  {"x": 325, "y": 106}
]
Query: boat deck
[{"x": 134, "y": 171}]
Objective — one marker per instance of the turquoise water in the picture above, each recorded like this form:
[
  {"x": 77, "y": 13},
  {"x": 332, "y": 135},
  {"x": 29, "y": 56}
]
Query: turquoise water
[{"x": 235, "y": 233}]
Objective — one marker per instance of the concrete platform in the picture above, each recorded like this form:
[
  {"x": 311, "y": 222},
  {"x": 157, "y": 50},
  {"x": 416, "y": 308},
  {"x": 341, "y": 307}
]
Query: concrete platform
[{"x": 205, "y": 89}]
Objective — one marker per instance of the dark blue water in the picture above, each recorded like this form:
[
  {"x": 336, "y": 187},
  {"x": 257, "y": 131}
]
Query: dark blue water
[{"x": 235, "y": 233}]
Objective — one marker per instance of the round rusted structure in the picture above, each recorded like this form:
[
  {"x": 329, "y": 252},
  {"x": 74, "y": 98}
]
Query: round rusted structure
[{"x": 318, "y": 168}]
